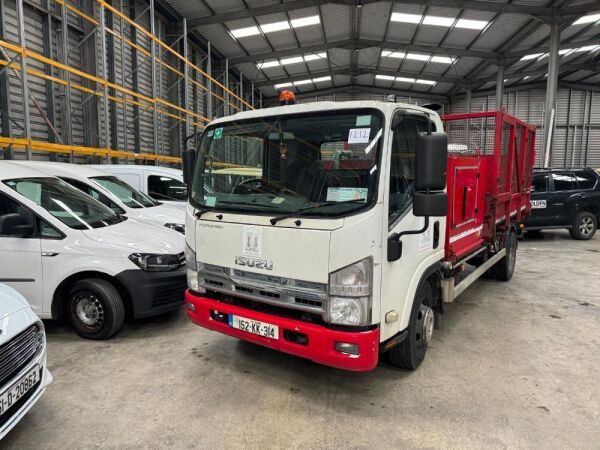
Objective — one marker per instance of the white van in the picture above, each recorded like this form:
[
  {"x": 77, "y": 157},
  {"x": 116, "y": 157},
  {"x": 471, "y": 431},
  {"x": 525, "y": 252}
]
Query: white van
[
  {"x": 114, "y": 193},
  {"x": 70, "y": 255},
  {"x": 23, "y": 372},
  {"x": 163, "y": 184}
]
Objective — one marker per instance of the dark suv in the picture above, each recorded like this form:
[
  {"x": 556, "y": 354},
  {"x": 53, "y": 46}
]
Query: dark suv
[{"x": 565, "y": 198}]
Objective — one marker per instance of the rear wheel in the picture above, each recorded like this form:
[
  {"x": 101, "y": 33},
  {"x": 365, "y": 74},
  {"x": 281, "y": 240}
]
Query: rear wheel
[
  {"x": 409, "y": 354},
  {"x": 95, "y": 308},
  {"x": 506, "y": 266},
  {"x": 584, "y": 227}
]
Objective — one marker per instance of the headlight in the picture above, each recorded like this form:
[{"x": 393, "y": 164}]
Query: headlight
[
  {"x": 350, "y": 294},
  {"x": 180, "y": 227},
  {"x": 155, "y": 263},
  {"x": 191, "y": 265}
]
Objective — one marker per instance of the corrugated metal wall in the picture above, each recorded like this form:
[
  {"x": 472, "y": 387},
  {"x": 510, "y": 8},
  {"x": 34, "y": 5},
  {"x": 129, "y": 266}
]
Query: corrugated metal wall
[
  {"x": 576, "y": 139},
  {"x": 130, "y": 127}
]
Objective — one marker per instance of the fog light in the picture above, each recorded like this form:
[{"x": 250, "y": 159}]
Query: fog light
[
  {"x": 345, "y": 347},
  {"x": 190, "y": 306},
  {"x": 219, "y": 317}
]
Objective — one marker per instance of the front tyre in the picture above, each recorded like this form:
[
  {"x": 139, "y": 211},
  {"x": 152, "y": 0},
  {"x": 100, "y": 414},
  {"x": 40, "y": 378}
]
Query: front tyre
[
  {"x": 506, "y": 266},
  {"x": 95, "y": 308},
  {"x": 584, "y": 227},
  {"x": 409, "y": 354}
]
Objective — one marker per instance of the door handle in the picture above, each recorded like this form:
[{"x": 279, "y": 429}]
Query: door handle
[{"x": 49, "y": 254}]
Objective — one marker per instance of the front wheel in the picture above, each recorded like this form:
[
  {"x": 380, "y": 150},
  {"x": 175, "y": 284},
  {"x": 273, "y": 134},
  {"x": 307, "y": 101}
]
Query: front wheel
[
  {"x": 409, "y": 354},
  {"x": 584, "y": 227},
  {"x": 506, "y": 266},
  {"x": 95, "y": 308}
]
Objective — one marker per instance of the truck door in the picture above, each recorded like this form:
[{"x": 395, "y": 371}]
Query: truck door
[
  {"x": 564, "y": 187},
  {"x": 21, "y": 257}
]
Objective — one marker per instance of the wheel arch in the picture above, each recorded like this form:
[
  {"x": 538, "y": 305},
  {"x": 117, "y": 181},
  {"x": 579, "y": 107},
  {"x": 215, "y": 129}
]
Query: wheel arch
[{"x": 59, "y": 298}]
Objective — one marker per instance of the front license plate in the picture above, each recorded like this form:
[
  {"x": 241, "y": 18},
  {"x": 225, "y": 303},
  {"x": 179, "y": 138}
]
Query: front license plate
[
  {"x": 12, "y": 395},
  {"x": 254, "y": 327}
]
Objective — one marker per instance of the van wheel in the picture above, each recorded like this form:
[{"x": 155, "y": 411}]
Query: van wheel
[
  {"x": 409, "y": 354},
  {"x": 95, "y": 308},
  {"x": 584, "y": 227},
  {"x": 506, "y": 266}
]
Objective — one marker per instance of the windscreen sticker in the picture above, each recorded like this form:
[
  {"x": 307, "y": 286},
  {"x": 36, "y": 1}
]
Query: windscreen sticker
[
  {"x": 335, "y": 194},
  {"x": 218, "y": 133},
  {"x": 210, "y": 133},
  {"x": 538, "y": 204},
  {"x": 363, "y": 121},
  {"x": 426, "y": 240},
  {"x": 359, "y": 135},
  {"x": 210, "y": 201},
  {"x": 278, "y": 200},
  {"x": 252, "y": 242}
]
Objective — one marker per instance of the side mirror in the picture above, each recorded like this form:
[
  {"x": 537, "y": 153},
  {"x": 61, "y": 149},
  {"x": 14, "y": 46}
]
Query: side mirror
[
  {"x": 430, "y": 204},
  {"x": 431, "y": 162},
  {"x": 15, "y": 225},
  {"x": 188, "y": 162}
]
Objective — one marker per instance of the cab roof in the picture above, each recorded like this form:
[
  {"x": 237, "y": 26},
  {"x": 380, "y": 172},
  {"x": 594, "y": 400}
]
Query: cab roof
[{"x": 387, "y": 108}]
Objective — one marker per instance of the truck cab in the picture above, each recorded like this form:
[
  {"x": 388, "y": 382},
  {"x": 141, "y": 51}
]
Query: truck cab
[{"x": 307, "y": 241}]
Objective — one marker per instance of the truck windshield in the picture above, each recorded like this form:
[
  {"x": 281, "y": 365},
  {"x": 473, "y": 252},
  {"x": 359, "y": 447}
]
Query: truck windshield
[
  {"x": 68, "y": 204},
  {"x": 288, "y": 164},
  {"x": 128, "y": 195}
]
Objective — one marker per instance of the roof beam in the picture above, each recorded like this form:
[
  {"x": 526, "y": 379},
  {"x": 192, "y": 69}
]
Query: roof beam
[
  {"x": 357, "y": 72},
  {"x": 478, "y": 5},
  {"x": 365, "y": 43},
  {"x": 263, "y": 11},
  {"x": 359, "y": 88}
]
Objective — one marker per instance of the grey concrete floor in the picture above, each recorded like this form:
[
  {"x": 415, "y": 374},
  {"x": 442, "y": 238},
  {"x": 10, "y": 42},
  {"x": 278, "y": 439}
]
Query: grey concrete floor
[{"x": 517, "y": 365}]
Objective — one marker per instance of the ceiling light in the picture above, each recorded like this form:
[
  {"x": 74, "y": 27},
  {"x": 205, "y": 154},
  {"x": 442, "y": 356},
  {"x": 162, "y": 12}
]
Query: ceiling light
[
  {"x": 245, "y": 32},
  {"x": 428, "y": 82},
  {"x": 321, "y": 79},
  {"x": 301, "y": 82},
  {"x": 587, "y": 19},
  {"x": 275, "y": 26},
  {"x": 406, "y": 18},
  {"x": 443, "y": 59},
  {"x": 313, "y": 57},
  {"x": 306, "y": 21},
  {"x": 470, "y": 24},
  {"x": 283, "y": 85},
  {"x": 267, "y": 64},
  {"x": 405, "y": 80},
  {"x": 292, "y": 60},
  {"x": 438, "y": 21},
  {"x": 384, "y": 77},
  {"x": 418, "y": 57}
]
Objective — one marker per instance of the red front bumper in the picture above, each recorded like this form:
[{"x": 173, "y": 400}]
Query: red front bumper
[{"x": 320, "y": 347}]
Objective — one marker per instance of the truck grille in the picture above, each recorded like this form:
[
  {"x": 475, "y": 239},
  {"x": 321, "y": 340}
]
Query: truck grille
[
  {"x": 278, "y": 291},
  {"x": 19, "y": 351}
]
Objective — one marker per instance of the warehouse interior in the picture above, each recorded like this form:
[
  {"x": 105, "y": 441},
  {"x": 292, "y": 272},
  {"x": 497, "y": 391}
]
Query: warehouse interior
[{"x": 136, "y": 82}]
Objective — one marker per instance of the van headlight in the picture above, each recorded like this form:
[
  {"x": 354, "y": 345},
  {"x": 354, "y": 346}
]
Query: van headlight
[
  {"x": 191, "y": 265},
  {"x": 151, "y": 262},
  {"x": 179, "y": 227},
  {"x": 350, "y": 294}
]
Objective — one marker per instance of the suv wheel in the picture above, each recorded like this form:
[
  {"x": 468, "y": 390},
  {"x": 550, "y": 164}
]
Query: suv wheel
[{"x": 584, "y": 227}]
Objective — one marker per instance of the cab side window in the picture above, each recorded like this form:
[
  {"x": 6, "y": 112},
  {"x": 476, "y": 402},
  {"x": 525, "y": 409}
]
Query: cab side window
[
  {"x": 402, "y": 164},
  {"x": 540, "y": 183},
  {"x": 563, "y": 181}
]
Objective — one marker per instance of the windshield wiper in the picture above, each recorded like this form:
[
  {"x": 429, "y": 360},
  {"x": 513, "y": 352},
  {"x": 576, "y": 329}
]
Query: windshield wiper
[
  {"x": 206, "y": 209},
  {"x": 276, "y": 219}
]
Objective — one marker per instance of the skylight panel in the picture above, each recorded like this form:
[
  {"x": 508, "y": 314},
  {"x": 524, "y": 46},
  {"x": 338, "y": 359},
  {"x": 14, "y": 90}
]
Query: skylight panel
[
  {"x": 301, "y": 82},
  {"x": 305, "y": 21},
  {"x": 267, "y": 64},
  {"x": 531, "y": 56},
  {"x": 313, "y": 57},
  {"x": 418, "y": 57},
  {"x": 405, "y": 80},
  {"x": 428, "y": 82},
  {"x": 587, "y": 48},
  {"x": 283, "y": 85},
  {"x": 470, "y": 24},
  {"x": 321, "y": 79},
  {"x": 392, "y": 54},
  {"x": 564, "y": 51},
  {"x": 587, "y": 19},
  {"x": 443, "y": 59},
  {"x": 245, "y": 32},
  {"x": 406, "y": 18},
  {"x": 438, "y": 21},
  {"x": 275, "y": 26}
]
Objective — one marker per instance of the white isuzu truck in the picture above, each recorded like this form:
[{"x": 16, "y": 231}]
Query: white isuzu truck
[{"x": 337, "y": 251}]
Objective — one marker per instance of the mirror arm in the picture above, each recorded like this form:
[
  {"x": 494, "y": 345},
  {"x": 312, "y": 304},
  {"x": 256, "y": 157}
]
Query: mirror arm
[
  {"x": 422, "y": 230},
  {"x": 396, "y": 238}
]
